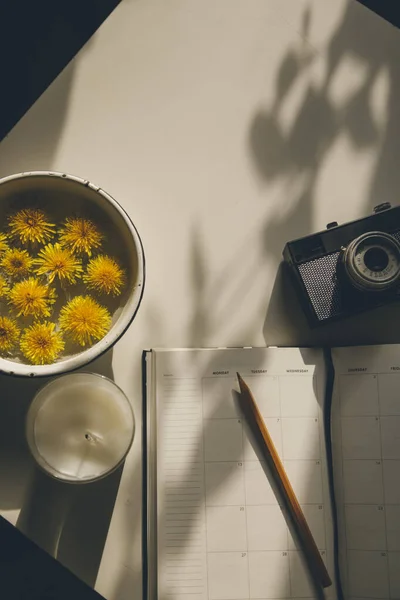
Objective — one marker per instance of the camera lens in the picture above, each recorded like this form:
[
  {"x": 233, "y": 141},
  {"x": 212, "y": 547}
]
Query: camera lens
[
  {"x": 376, "y": 259},
  {"x": 372, "y": 262}
]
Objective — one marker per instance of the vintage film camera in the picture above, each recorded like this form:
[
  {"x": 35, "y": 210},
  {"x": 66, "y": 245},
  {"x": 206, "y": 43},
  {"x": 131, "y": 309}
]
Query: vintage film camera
[{"x": 348, "y": 268}]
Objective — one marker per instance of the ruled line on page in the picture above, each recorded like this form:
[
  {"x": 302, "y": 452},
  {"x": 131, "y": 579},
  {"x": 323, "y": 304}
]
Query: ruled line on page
[{"x": 183, "y": 490}]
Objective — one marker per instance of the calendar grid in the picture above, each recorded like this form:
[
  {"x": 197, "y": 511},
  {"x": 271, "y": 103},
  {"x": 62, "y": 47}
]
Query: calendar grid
[
  {"x": 223, "y": 535},
  {"x": 222, "y": 532},
  {"x": 383, "y": 485},
  {"x": 247, "y": 528},
  {"x": 288, "y": 534},
  {"x": 259, "y": 505},
  {"x": 370, "y": 457}
]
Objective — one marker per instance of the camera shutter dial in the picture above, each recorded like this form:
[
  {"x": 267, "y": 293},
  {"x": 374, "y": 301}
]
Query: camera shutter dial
[{"x": 381, "y": 207}]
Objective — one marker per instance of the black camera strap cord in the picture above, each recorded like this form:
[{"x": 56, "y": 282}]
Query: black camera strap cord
[{"x": 330, "y": 378}]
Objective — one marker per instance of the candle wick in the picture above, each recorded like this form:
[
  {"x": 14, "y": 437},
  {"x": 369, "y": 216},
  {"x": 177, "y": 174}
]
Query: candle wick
[{"x": 91, "y": 437}]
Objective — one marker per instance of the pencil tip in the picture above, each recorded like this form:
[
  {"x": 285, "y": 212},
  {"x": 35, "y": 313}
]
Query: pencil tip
[{"x": 240, "y": 380}]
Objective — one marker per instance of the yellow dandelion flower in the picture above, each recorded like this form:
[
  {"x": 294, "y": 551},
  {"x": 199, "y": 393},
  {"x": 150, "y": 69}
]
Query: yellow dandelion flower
[
  {"x": 84, "y": 320},
  {"x": 104, "y": 275},
  {"x": 56, "y": 261},
  {"x": 9, "y": 334},
  {"x": 31, "y": 225},
  {"x": 3, "y": 242},
  {"x": 41, "y": 344},
  {"x": 81, "y": 236},
  {"x": 16, "y": 263},
  {"x": 30, "y": 297},
  {"x": 4, "y": 289}
]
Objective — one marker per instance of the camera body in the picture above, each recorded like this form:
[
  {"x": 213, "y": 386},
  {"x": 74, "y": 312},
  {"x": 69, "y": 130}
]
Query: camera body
[{"x": 349, "y": 268}]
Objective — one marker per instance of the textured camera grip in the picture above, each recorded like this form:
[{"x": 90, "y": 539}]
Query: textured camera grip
[{"x": 322, "y": 287}]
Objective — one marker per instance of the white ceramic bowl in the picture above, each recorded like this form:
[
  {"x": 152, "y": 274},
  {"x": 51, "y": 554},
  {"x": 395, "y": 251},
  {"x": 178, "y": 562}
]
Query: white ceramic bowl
[{"x": 67, "y": 191}]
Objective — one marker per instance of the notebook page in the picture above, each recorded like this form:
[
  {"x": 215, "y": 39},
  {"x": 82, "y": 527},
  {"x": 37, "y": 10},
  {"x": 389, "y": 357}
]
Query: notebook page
[
  {"x": 221, "y": 532},
  {"x": 366, "y": 444}
]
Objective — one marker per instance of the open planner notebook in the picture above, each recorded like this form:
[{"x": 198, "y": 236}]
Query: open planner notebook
[{"x": 214, "y": 528}]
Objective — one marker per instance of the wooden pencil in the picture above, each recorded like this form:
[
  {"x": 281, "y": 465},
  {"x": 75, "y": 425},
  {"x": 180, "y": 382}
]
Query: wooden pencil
[{"x": 318, "y": 571}]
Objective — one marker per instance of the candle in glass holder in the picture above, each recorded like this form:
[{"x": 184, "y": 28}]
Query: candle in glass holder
[{"x": 80, "y": 427}]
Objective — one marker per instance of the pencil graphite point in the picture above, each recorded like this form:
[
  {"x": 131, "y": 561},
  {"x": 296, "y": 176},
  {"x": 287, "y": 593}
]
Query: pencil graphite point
[{"x": 241, "y": 382}]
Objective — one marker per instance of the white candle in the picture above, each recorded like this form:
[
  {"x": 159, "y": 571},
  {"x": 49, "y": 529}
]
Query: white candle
[{"x": 80, "y": 427}]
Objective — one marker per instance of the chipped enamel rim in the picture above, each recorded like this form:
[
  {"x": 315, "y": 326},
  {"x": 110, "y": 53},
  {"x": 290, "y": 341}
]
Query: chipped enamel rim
[{"x": 101, "y": 198}]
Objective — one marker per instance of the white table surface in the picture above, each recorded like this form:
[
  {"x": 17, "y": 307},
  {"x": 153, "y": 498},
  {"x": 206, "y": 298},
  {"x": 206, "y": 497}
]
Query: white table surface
[{"x": 224, "y": 129}]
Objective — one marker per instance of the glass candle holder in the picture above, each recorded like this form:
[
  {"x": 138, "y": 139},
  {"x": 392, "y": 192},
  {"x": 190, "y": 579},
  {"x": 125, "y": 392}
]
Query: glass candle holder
[{"x": 80, "y": 427}]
